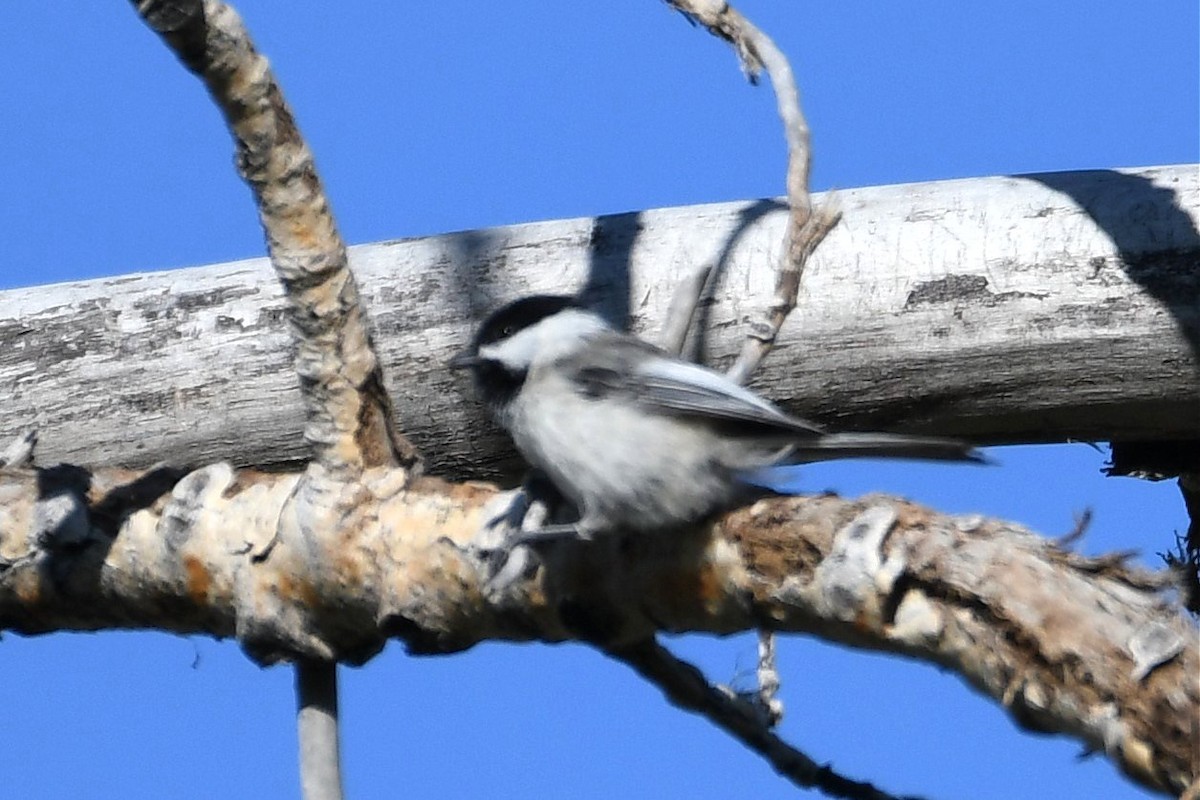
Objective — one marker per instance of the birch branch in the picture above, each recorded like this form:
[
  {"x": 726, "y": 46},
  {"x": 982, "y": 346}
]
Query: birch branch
[
  {"x": 1087, "y": 647},
  {"x": 237, "y": 553},
  {"x": 317, "y": 725}
]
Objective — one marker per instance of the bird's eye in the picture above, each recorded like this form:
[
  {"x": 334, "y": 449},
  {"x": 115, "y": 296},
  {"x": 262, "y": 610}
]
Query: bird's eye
[{"x": 508, "y": 330}]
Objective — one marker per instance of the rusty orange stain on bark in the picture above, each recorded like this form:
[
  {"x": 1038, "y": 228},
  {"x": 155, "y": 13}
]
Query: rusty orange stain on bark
[
  {"x": 244, "y": 479},
  {"x": 292, "y": 588},
  {"x": 468, "y": 492},
  {"x": 199, "y": 581}
]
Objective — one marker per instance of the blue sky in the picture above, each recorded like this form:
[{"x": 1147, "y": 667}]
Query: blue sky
[{"x": 432, "y": 117}]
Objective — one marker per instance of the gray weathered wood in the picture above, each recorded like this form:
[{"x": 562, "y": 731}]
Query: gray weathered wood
[{"x": 1008, "y": 309}]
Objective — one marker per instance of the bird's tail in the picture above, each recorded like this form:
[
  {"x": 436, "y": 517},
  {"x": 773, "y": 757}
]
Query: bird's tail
[{"x": 881, "y": 445}]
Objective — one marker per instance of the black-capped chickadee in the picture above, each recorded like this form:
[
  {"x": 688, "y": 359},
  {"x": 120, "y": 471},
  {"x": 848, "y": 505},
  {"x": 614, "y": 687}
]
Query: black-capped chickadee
[{"x": 638, "y": 439}]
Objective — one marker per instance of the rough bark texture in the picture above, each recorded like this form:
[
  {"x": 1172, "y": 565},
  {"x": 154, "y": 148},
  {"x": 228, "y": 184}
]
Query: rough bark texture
[
  {"x": 350, "y": 425},
  {"x": 349, "y": 419},
  {"x": 1082, "y": 646},
  {"x": 1004, "y": 309}
]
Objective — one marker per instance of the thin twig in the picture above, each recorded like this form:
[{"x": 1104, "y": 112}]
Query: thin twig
[
  {"x": 680, "y": 315},
  {"x": 682, "y": 310},
  {"x": 317, "y": 724},
  {"x": 756, "y": 51},
  {"x": 1189, "y": 487},
  {"x": 350, "y": 422},
  {"x": 1188, "y": 556},
  {"x": 805, "y": 229},
  {"x": 19, "y": 452},
  {"x": 767, "y": 696},
  {"x": 686, "y": 687},
  {"x": 1083, "y": 521}
]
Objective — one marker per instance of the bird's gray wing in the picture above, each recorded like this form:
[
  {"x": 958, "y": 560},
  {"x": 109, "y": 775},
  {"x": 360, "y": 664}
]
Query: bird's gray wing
[
  {"x": 663, "y": 384},
  {"x": 622, "y": 366}
]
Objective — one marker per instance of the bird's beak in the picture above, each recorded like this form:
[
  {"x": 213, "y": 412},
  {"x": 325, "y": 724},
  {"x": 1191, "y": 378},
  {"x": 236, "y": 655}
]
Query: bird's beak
[{"x": 464, "y": 360}]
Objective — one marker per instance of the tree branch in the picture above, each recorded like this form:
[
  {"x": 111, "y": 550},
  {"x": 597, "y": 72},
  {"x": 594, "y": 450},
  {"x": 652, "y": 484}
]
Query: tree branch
[
  {"x": 805, "y": 230},
  {"x": 681, "y": 313},
  {"x": 801, "y": 236},
  {"x": 317, "y": 724},
  {"x": 349, "y": 419},
  {"x": 350, "y": 425},
  {"x": 1088, "y": 647},
  {"x": 241, "y": 553},
  {"x": 687, "y": 688},
  {"x": 1047, "y": 308}
]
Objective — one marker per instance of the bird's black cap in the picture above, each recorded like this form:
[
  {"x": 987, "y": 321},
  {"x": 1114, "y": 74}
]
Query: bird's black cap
[
  {"x": 508, "y": 320},
  {"x": 519, "y": 315}
]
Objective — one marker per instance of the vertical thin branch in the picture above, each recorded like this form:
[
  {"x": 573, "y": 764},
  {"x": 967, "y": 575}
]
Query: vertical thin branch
[
  {"x": 682, "y": 310},
  {"x": 684, "y": 685},
  {"x": 805, "y": 229},
  {"x": 768, "y": 679},
  {"x": 317, "y": 723},
  {"x": 350, "y": 424}
]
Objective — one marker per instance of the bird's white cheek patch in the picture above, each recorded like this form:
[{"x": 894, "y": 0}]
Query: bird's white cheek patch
[{"x": 515, "y": 353}]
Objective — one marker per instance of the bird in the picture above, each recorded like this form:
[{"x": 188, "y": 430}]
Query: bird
[{"x": 637, "y": 439}]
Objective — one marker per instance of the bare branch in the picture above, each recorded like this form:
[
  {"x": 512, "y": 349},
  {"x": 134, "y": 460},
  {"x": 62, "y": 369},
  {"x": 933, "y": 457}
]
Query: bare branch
[
  {"x": 237, "y": 554},
  {"x": 805, "y": 230},
  {"x": 682, "y": 311},
  {"x": 724, "y": 22},
  {"x": 918, "y": 319},
  {"x": 686, "y": 687},
  {"x": 1186, "y": 557},
  {"x": 1158, "y": 460},
  {"x": 1091, "y": 648},
  {"x": 349, "y": 414},
  {"x": 317, "y": 723},
  {"x": 349, "y": 419},
  {"x": 801, "y": 236}
]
